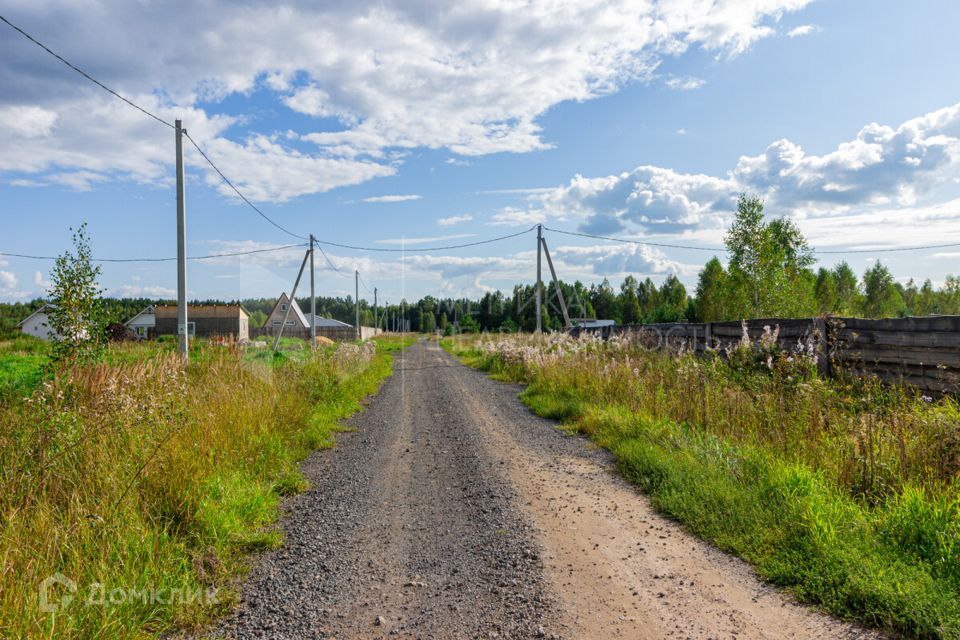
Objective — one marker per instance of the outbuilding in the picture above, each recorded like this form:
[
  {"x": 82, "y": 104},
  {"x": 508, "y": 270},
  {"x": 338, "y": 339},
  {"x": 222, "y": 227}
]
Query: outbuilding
[{"x": 205, "y": 320}]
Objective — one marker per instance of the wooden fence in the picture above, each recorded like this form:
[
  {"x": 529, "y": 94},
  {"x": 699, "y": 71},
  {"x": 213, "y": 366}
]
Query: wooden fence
[
  {"x": 924, "y": 352},
  {"x": 337, "y": 334}
]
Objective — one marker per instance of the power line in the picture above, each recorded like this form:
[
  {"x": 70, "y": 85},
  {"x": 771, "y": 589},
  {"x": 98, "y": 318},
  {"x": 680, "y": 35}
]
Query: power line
[
  {"x": 363, "y": 283},
  {"x": 206, "y": 257},
  {"x": 329, "y": 262},
  {"x": 84, "y": 73},
  {"x": 421, "y": 249},
  {"x": 721, "y": 249},
  {"x": 630, "y": 241},
  {"x": 237, "y": 191}
]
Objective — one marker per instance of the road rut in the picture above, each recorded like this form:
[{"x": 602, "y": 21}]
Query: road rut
[{"x": 453, "y": 512}]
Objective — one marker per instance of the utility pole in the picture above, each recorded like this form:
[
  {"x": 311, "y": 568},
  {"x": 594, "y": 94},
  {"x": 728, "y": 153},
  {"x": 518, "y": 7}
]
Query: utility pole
[
  {"x": 375, "y": 325},
  {"x": 182, "y": 332},
  {"x": 539, "y": 283},
  {"x": 313, "y": 300},
  {"x": 356, "y": 299},
  {"x": 556, "y": 283},
  {"x": 292, "y": 301}
]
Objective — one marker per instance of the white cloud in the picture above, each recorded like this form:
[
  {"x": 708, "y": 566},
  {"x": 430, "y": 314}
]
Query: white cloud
[
  {"x": 39, "y": 281},
  {"x": 454, "y": 220},
  {"x": 619, "y": 260},
  {"x": 406, "y": 241},
  {"x": 687, "y": 83},
  {"x": 681, "y": 131},
  {"x": 137, "y": 291},
  {"x": 8, "y": 281},
  {"x": 472, "y": 77},
  {"x": 395, "y": 198},
  {"x": 803, "y": 30},
  {"x": 883, "y": 166}
]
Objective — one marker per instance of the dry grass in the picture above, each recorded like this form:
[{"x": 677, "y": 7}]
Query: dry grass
[{"x": 151, "y": 479}]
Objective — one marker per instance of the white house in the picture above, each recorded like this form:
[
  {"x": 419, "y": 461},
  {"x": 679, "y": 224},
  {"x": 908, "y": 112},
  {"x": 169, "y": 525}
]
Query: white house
[
  {"x": 144, "y": 323},
  {"x": 38, "y": 324}
]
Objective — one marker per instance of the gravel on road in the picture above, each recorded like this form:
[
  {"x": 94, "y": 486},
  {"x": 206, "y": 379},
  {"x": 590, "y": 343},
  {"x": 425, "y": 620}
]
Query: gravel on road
[{"x": 450, "y": 511}]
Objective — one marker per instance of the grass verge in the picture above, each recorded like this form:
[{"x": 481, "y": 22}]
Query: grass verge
[
  {"x": 737, "y": 475},
  {"x": 133, "y": 491}
]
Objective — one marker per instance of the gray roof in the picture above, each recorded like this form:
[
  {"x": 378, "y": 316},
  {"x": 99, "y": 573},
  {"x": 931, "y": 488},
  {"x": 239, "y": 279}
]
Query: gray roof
[{"x": 326, "y": 322}]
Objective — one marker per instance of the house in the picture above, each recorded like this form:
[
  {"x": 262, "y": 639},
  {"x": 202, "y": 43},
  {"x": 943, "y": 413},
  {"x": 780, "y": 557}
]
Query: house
[
  {"x": 37, "y": 324},
  {"x": 205, "y": 320},
  {"x": 144, "y": 324},
  {"x": 296, "y": 319}
]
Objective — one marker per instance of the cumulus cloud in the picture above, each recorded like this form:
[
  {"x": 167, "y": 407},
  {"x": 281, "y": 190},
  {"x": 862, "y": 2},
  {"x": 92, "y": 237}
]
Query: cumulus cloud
[
  {"x": 454, "y": 220},
  {"x": 617, "y": 260},
  {"x": 8, "y": 281},
  {"x": 396, "y": 198},
  {"x": 882, "y": 166},
  {"x": 472, "y": 77},
  {"x": 39, "y": 281}
]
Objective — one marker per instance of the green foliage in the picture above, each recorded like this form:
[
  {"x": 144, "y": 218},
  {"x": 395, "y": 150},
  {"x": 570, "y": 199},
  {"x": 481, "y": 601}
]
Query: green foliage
[
  {"x": 843, "y": 491},
  {"x": 139, "y": 474},
  {"x": 76, "y": 315}
]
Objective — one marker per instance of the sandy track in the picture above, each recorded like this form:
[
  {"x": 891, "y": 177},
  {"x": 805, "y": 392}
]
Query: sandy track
[{"x": 452, "y": 512}]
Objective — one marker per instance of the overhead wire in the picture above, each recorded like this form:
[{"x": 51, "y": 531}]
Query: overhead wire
[
  {"x": 84, "y": 73},
  {"x": 422, "y": 249},
  {"x": 723, "y": 249},
  {"x": 155, "y": 117},
  {"x": 211, "y": 256}
]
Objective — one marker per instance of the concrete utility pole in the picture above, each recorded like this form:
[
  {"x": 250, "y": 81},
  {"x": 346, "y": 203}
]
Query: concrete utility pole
[
  {"x": 313, "y": 300},
  {"x": 292, "y": 300},
  {"x": 356, "y": 299},
  {"x": 182, "y": 332},
  {"x": 375, "y": 325},
  {"x": 556, "y": 283},
  {"x": 539, "y": 281}
]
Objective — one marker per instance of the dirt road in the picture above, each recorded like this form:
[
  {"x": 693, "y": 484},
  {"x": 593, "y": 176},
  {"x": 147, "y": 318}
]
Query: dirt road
[{"x": 452, "y": 512}]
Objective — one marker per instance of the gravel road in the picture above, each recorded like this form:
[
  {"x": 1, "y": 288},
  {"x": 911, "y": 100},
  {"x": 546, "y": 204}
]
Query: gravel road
[{"x": 453, "y": 512}]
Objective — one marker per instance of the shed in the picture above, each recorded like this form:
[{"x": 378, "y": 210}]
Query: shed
[{"x": 205, "y": 320}]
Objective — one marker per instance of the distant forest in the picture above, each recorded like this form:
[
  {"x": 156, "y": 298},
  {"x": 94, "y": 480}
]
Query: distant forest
[{"x": 769, "y": 273}]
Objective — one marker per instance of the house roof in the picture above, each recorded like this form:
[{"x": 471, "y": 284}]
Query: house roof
[
  {"x": 295, "y": 307},
  {"x": 203, "y": 311},
  {"x": 42, "y": 309},
  {"x": 326, "y": 322},
  {"x": 149, "y": 309}
]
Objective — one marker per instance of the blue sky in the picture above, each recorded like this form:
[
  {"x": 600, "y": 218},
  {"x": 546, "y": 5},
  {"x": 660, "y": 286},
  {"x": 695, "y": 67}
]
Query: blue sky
[{"x": 619, "y": 119}]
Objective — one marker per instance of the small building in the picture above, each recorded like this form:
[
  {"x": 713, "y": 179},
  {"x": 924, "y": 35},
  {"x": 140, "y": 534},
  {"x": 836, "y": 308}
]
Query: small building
[
  {"x": 205, "y": 320},
  {"x": 37, "y": 324},
  {"x": 297, "y": 321},
  {"x": 295, "y": 318},
  {"x": 144, "y": 324}
]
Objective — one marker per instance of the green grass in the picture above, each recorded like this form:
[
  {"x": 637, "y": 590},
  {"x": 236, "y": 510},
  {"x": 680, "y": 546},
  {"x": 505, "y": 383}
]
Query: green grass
[
  {"x": 140, "y": 475},
  {"x": 888, "y": 558}
]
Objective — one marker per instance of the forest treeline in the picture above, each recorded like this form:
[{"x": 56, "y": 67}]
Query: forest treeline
[{"x": 769, "y": 273}]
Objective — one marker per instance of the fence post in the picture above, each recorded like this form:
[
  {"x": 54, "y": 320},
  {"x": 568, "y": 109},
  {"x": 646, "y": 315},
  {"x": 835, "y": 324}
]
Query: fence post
[{"x": 822, "y": 346}]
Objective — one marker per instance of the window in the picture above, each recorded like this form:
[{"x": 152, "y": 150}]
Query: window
[
  {"x": 283, "y": 307},
  {"x": 290, "y": 323},
  {"x": 276, "y": 323},
  {"x": 141, "y": 331}
]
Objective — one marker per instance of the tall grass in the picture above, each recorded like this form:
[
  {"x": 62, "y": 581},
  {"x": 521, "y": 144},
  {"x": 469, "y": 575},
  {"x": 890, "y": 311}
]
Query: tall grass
[
  {"x": 146, "y": 483},
  {"x": 845, "y": 491}
]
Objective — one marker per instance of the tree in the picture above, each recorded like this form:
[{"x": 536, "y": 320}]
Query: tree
[
  {"x": 77, "y": 316},
  {"x": 769, "y": 265},
  {"x": 825, "y": 291},
  {"x": 709, "y": 305},
  {"x": 630, "y": 312},
  {"x": 604, "y": 301},
  {"x": 881, "y": 297},
  {"x": 673, "y": 301},
  {"x": 846, "y": 288}
]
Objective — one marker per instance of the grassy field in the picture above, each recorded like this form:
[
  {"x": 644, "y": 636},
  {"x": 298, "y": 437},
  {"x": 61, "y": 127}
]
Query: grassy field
[
  {"x": 844, "y": 492},
  {"x": 143, "y": 486}
]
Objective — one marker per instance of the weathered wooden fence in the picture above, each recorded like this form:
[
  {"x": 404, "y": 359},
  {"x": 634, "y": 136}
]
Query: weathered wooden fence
[
  {"x": 924, "y": 352},
  {"x": 337, "y": 334}
]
